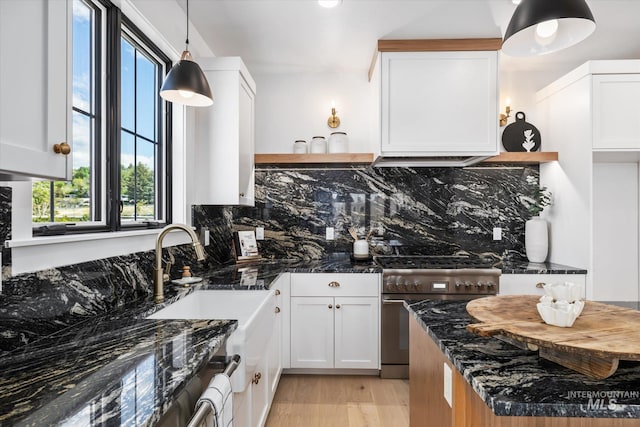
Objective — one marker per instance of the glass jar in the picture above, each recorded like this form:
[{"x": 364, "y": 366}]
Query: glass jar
[
  {"x": 300, "y": 147},
  {"x": 318, "y": 144},
  {"x": 338, "y": 142}
]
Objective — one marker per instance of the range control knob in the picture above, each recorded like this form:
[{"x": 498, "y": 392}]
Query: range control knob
[
  {"x": 458, "y": 284},
  {"x": 467, "y": 284},
  {"x": 490, "y": 284},
  {"x": 479, "y": 284}
]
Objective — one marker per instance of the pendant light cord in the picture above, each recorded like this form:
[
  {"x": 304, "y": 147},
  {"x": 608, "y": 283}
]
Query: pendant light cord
[{"x": 187, "y": 40}]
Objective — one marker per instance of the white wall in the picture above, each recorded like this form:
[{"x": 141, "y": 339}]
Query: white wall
[
  {"x": 297, "y": 105},
  {"x": 566, "y": 118}
]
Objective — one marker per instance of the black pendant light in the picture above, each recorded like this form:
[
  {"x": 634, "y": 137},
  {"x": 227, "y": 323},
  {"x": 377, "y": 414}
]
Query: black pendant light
[
  {"x": 186, "y": 83},
  {"x": 538, "y": 27}
]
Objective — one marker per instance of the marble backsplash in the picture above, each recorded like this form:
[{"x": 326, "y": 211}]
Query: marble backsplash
[
  {"x": 5, "y": 225},
  {"x": 426, "y": 210},
  {"x": 37, "y": 304}
]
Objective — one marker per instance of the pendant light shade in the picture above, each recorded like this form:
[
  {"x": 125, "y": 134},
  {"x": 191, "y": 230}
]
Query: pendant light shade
[
  {"x": 538, "y": 27},
  {"x": 186, "y": 83}
]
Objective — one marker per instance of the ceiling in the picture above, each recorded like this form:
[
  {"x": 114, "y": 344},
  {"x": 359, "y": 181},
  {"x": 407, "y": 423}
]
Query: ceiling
[{"x": 300, "y": 36}]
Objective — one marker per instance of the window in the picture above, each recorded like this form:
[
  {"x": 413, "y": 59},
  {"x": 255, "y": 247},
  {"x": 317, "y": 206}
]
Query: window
[
  {"x": 120, "y": 134},
  {"x": 140, "y": 137},
  {"x": 74, "y": 201}
]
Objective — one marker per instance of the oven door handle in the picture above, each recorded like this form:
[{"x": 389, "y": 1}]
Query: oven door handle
[{"x": 392, "y": 301}]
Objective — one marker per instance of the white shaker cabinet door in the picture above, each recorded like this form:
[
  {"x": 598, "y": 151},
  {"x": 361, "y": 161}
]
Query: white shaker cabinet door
[
  {"x": 221, "y": 155},
  {"x": 616, "y": 111},
  {"x": 312, "y": 332},
  {"x": 356, "y": 332},
  {"x": 35, "y": 88}
]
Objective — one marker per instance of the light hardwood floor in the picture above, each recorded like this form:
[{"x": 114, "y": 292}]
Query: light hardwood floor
[{"x": 341, "y": 401}]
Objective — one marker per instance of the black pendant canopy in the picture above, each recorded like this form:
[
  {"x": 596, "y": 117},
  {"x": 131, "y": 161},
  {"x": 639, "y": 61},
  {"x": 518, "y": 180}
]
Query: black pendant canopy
[
  {"x": 538, "y": 27},
  {"x": 186, "y": 83}
]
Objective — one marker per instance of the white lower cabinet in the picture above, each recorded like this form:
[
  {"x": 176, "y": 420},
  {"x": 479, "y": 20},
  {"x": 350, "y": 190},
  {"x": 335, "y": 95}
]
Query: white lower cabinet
[
  {"x": 252, "y": 399},
  {"x": 260, "y": 402},
  {"x": 312, "y": 332},
  {"x": 356, "y": 332},
  {"x": 527, "y": 284},
  {"x": 251, "y": 406},
  {"x": 335, "y": 321}
]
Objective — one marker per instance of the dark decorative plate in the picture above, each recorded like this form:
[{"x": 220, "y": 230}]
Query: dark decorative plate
[{"x": 520, "y": 135}]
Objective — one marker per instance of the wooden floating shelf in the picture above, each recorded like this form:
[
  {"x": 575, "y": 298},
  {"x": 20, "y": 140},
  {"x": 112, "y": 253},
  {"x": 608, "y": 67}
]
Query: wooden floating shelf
[
  {"x": 521, "y": 157},
  {"x": 284, "y": 159},
  {"x": 367, "y": 158}
]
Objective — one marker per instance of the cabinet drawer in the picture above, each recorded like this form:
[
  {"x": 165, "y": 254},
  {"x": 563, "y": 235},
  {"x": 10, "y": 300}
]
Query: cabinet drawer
[
  {"x": 526, "y": 284},
  {"x": 318, "y": 284}
]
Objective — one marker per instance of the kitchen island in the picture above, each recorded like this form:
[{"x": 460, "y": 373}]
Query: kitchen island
[{"x": 492, "y": 383}]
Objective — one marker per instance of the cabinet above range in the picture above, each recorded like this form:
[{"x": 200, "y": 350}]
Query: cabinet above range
[{"x": 438, "y": 100}]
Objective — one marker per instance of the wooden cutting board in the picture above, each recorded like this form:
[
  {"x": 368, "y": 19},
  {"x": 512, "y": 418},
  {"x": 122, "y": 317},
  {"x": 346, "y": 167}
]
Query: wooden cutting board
[{"x": 601, "y": 336}]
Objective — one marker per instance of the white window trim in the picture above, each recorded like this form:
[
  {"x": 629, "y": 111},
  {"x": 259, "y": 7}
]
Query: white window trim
[{"x": 56, "y": 251}]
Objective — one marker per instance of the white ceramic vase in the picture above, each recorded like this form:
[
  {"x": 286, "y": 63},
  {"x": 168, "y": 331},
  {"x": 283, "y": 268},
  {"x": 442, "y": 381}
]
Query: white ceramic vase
[{"x": 536, "y": 239}]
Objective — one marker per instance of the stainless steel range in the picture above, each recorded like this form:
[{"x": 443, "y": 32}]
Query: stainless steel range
[{"x": 407, "y": 277}]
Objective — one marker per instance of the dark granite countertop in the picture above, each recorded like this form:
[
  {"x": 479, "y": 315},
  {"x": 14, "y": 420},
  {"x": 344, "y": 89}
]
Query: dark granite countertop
[
  {"x": 525, "y": 267},
  {"x": 131, "y": 368},
  {"x": 123, "y": 362},
  {"x": 515, "y": 382},
  {"x": 115, "y": 369}
]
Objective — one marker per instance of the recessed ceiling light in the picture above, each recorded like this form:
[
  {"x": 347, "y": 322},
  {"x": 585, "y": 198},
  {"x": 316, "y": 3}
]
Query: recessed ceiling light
[{"x": 329, "y": 3}]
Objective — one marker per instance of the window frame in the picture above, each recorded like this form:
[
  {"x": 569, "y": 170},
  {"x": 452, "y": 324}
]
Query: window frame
[
  {"x": 163, "y": 159},
  {"x": 105, "y": 173}
]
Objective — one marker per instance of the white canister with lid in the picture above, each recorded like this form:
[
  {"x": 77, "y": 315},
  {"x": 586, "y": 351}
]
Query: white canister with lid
[
  {"x": 361, "y": 249},
  {"x": 338, "y": 142},
  {"x": 300, "y": 147},
  {"x": 318, "y": 144}
]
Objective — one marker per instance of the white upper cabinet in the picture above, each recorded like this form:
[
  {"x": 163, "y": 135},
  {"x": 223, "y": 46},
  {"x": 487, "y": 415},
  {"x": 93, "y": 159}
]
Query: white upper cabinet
[
  {"x": 221, "y": 166},
  {"x": 439, "y": 103},
  {"x": 35, "y": 88},
  {"x": 616, "y": 111},
  {"x": 591, "y": 117}
]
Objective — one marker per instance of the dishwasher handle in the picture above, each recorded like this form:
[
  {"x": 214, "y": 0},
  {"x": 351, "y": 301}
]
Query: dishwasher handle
[{"x": 205, "y": 409}]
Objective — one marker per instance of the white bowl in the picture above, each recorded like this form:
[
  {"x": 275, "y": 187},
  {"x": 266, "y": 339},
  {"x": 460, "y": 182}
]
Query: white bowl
[
  {"x": 566, "y": 291},
  {"x": 560, "y": 313}
]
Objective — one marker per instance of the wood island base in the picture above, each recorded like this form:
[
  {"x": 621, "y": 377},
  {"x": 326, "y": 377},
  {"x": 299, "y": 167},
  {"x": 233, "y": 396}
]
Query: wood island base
[{"x": 428, "y": 407}]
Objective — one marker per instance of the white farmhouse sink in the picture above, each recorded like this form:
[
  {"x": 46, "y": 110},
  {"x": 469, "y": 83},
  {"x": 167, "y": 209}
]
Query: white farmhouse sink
[{"x": 255, "y": 312}]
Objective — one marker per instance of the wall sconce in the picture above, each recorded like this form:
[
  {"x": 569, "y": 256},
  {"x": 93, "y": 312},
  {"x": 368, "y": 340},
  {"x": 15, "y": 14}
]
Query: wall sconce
[
  {"x": 504, "y": 118},
  {"x": 333, "y": 121}
]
